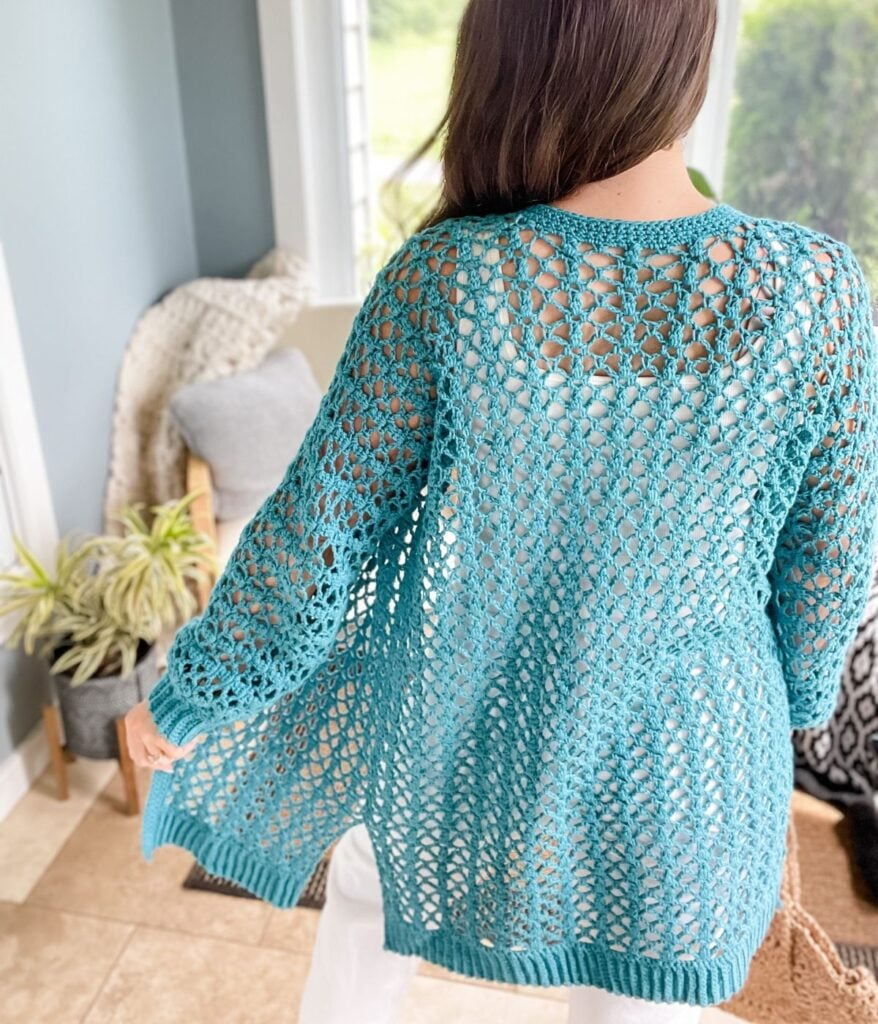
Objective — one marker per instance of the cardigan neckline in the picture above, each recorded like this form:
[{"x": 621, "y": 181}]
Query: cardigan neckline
[{"x": 658, "y": 231}]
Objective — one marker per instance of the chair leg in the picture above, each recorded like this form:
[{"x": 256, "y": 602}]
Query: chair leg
[
  {"x": 56, "y": 751},
  {"x": 129, "y": 778}
]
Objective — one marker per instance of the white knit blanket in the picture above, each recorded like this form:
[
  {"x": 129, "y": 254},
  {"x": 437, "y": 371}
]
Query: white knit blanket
[{"x": 208, "y": 328}]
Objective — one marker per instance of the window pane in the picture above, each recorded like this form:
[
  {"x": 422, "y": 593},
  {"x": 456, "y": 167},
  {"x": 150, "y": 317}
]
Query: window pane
[
  {"x": 803, "y": 141},
  {"x": 410, "y": 52}
]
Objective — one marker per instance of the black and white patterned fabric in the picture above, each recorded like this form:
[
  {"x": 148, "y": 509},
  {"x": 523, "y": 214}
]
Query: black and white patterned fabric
[{"x": 838, "y": 761}]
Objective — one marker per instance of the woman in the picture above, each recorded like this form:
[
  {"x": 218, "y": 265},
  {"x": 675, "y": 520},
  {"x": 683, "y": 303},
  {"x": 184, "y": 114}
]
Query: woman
[{"x": 581, "y": 531}]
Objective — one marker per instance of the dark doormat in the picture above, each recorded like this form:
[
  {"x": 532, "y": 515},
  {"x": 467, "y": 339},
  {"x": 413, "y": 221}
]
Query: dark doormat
[
  {"x": 853, "y": 955},
  {"x": 313, "y": 895}
]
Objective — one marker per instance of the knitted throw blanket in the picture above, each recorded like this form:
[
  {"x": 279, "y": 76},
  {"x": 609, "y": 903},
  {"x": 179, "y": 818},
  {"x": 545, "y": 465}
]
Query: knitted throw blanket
[
  {"x": 583, "y": 527},
  {"x": 209, "y": 328}
]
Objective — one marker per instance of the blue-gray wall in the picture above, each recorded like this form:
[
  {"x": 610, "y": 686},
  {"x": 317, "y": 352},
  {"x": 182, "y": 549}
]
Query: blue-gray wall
[
  {"x": 129, "y": 163},
  {"x": 95, "y": 211},
  {"x": 217, "y": 43}
]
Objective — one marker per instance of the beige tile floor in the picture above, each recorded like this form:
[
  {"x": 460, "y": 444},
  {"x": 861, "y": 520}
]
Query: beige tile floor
[{"x": 91, "y": 934}]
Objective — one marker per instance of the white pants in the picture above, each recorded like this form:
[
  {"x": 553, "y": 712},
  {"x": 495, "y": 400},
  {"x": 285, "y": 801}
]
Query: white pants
[{"x": 352, "y": 980}]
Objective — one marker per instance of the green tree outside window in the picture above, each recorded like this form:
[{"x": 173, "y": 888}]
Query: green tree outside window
[{"x": 803, "y": 141}]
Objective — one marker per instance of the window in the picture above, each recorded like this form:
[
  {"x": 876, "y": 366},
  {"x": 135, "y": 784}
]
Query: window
[
  {"x": 410, "y": 54},
  {"x": 355, "y": 29},
  {"x": 352, "y": 87},
  {"x": 803, "y": 129},
  {"x": 788, "y": 128}
]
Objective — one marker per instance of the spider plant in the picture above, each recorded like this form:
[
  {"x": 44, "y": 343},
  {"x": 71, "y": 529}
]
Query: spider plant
[{"x": 108, "y": 594}]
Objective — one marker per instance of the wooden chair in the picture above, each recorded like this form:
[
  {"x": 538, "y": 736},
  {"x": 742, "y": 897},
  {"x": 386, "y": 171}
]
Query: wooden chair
[{"x": 202, "y": 509}]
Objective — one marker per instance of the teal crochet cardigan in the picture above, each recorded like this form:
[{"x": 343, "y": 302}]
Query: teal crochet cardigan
[{"x": 582, "y": 529}]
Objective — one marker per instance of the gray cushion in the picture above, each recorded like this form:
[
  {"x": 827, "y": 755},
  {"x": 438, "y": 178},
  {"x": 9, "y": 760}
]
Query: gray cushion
[{"x": 248, "y": 428}]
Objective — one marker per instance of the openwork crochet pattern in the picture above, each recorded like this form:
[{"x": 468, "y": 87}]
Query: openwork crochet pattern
[{"x": 583, "y": 527}]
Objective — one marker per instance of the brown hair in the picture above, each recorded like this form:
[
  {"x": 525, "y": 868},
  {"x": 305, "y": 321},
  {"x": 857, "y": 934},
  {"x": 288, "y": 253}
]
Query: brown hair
[{"x": 547, "y": 95}]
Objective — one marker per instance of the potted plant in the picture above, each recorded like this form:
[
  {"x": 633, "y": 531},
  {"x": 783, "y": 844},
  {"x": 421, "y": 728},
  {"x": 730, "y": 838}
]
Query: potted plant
[{"x": 96, "y": 618}]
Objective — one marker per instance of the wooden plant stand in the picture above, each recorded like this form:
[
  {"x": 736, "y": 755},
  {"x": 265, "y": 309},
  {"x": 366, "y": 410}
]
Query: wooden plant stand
[
  {"x": 198, "y": 478},
  {"x": 61, "y": 756}
]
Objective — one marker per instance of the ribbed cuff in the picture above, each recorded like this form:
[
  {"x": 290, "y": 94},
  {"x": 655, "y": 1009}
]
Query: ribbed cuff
[
  {"x": 176, "y": 720},
  {"x": 803, "y": 716}
]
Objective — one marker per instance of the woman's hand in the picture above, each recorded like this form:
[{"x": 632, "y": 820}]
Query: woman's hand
[{"x": 149, "y": 749}]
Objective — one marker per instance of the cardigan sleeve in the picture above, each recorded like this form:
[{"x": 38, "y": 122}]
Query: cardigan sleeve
[
  {"x": 823, "y": 560},
  {"x": 276, "y": 609}
]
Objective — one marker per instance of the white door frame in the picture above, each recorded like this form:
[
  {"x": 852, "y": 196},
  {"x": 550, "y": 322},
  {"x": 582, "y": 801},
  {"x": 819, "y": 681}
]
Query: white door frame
[
  {"x": 21, "y": 452},
  {"x": 32, "y": 514}
]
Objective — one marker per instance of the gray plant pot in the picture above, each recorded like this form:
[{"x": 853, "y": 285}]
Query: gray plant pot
[{"x": 90, "y": 709}]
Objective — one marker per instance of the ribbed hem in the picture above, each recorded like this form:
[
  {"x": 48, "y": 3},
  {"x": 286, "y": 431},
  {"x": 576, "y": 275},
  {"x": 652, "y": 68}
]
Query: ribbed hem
[
  {"x": 216, "y": 855},
  {"x": 703, "y": 984}
]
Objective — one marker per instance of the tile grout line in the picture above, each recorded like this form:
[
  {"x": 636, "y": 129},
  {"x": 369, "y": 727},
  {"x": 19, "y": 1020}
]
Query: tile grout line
[
  {"x": 94, "y": 916},
  {"x": 30, "y": 901},
  {"x": 134, "y": 928},
  {"x": 90, "y": 800},
  {"x": 107, "y": 974},
  {"x": 213, "y": 938},
  {"x": 264, "y": 930}
]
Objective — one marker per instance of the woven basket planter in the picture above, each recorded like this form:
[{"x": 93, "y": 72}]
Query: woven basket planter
[{"x": 90, "y": 709}]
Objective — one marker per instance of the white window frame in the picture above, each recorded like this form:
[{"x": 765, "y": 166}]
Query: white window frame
[
  {"x": 312, "y": 101},
  {"x": 317, "y": 122},
  {"x": 706, "y": 144},
  {"x": 32, "y": 514}
]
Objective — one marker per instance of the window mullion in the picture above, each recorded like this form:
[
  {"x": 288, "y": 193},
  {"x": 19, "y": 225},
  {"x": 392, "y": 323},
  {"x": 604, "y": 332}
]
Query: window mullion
[{"x": 707, "y": 141}]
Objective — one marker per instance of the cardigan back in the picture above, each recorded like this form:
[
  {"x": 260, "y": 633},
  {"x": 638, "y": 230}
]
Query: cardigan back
[{"x": 583, "y": 527}]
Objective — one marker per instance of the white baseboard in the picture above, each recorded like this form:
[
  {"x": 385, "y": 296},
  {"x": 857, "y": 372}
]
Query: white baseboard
[{"x": 23, "y": 766}]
